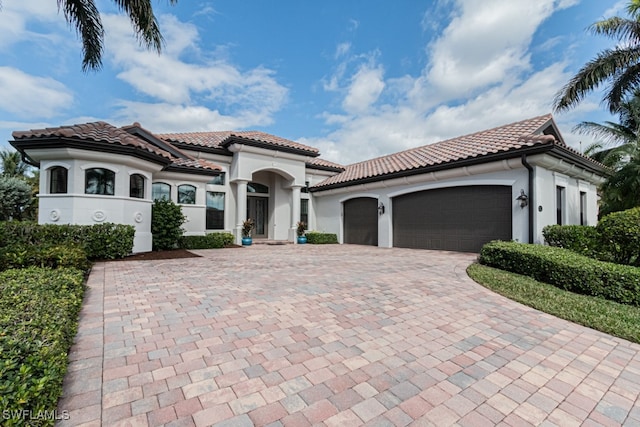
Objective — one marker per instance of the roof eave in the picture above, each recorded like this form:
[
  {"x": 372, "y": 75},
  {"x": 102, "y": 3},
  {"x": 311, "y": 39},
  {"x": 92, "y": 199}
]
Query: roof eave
[
  {"x": 201, "y": 148},
  {"x": 470, "y": 161},
  {"x": 324, "y": 168},
  {"x": 63, "y": 142},
  {"x": 233, "y": 139},
  {"x": 191, "y": 170}
]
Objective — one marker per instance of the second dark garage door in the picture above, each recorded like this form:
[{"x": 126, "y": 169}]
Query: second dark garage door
[{"x": 452, "y": 219}]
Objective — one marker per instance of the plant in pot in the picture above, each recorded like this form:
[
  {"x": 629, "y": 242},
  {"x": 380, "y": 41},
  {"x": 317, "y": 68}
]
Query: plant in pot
[
  {"x": 247, "y": 227},
  {"x": 301, "y": 227}
]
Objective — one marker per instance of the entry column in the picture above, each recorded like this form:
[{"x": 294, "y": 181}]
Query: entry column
[
  {"x": 295, "y": 212},
  {"x": 241, "y": 209}
]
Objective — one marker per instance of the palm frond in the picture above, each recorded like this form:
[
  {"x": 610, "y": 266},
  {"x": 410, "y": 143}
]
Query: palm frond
[
  {"x": 625, "y": 30},
  {"x": 610, "y": 133},
  {"x": 144, "y": 22},
  {"x": 85, "y": 17},
  {"x": 606, "y": 65},
  {"x": 623, "y": 84}
]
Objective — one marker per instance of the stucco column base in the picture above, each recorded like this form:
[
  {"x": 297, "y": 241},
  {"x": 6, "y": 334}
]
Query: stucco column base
[{"x": 293, "y": 236}]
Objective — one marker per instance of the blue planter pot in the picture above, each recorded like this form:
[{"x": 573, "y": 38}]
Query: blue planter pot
[
  {"x": 302, "y": 240},
  {"x": 246, "y": 241}
]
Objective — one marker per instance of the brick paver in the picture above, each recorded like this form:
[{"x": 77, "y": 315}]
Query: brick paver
[{"x": 332, "y": 335}]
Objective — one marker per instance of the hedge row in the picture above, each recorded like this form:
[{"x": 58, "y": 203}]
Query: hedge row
[
  {"x": 318, "y": 238},
  {"x": 48, "y": 255},
  {"x": 38, "y": 320},
  {"x": 100, "y": 241},
  {"x": 566, "y": 270},
  {"x": 209, "y": 241},
  {"x": 578, "y": 238}
]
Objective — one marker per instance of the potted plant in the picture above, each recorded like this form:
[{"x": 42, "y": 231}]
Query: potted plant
[
  {"x": 300, "y": 230},
  {"x": 247, "y": 227}
]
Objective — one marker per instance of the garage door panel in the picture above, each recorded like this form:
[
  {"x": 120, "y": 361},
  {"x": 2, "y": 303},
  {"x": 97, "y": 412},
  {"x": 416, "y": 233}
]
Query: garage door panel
[
  {"x": 454, "y": 219},
  {"x": 361, "y": 221}
]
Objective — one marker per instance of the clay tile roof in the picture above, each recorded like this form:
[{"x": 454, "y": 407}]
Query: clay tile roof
[
  {"x": 322, "y": 163},
  {"x": 101, "y": 132},
  {"x": 221, "y": 139},
  {"x": 497, "y": 140},
  {"x": 196, "y": 164}
]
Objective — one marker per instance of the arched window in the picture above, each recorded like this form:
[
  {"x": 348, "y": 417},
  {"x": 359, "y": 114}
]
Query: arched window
[
  {"x": 136, "y": 186},
  {"x": 99, "y": 181},
  {"x": 161, "y": 190},
  {"x": 187, "y": 194},
  {"x": 58, "y": 180}
]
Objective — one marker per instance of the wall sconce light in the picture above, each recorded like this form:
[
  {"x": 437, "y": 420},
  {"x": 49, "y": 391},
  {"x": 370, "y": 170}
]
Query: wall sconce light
[
  {"x": 381, "y": 209},
  {"x": 523, "y": 198}
]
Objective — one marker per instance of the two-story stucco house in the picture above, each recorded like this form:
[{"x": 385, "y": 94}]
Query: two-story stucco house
[{"x": 502, "y": 183}]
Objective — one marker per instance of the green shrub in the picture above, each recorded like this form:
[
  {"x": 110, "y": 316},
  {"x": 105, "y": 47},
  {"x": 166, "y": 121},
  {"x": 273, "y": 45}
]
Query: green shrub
[
  {"x": 38, "y": 321},
  {"x": 318, "y": 238},
  {"x": 566, "y": 270},
  {"x": 100, "y": 241},
  {"x": 582, "y": 239},
  {"x": 51, "y": 256},
  {"x": 619, "y": 236},
  {"x": 209, "y": 241},
  {"x": 166, "y": 224}
]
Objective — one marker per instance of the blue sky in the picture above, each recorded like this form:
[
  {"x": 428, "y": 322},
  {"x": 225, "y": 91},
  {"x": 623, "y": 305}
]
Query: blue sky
[{"x": 357, "y": 79}]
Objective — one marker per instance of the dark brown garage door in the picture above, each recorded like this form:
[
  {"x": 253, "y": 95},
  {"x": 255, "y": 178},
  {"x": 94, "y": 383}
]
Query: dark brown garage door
[
  {"x": 452, "y": 219},
  {"x": 361, "y": 221}
]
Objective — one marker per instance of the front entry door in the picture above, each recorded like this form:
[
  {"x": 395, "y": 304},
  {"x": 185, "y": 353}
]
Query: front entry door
[{"x": 257, "y": 209}]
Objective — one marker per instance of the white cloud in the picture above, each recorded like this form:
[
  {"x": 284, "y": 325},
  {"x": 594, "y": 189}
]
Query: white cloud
[
  {"x": 26, "y": 95},
  {"x": 366, "y": 86},
  {"x": 183, "y": 79},
  {"x": 14, "y": 16}
]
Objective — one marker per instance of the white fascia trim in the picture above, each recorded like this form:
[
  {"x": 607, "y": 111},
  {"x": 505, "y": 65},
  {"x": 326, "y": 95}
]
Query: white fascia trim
[{"x": 238, "y": 148}]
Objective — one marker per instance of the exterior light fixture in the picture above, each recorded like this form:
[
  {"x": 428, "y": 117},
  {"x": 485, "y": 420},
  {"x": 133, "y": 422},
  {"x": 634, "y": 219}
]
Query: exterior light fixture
[
  {"x": 523, "y": 198},
  {"x": 380, "y": 209}
]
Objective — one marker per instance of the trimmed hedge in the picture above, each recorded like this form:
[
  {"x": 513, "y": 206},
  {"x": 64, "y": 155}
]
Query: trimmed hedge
[
  {"x": 566, "y": 269},
  {"x": 318, "y": 238},
  {"x": 50, "y": 256},
  {"x": 166, "y": 224},
  {"x": 99, "y": 241},
  {"x": 619, "y": 236},
  {"x": 582, "y": 239},
  {"x": 209, "y": 241},
  {"x": 38, "y": 320}
]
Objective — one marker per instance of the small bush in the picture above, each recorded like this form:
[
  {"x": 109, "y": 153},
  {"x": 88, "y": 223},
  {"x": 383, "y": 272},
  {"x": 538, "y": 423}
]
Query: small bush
[
  {"x": 100, "y": 241},
  {"x": 209, "y": 241},
  {"x": 582, "y": 239},
  {"x": 566, "y": 269},
  {"x": 51, "y": 256},
  {"x": 166, "y": 224},
  {"x": 38, "y": 321},
  {"x": 318, "y": 238},
  {"x": 619, "y": 236}
]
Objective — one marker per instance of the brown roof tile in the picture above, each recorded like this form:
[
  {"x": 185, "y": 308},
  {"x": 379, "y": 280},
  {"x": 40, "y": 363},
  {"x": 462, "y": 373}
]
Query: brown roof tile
[
  {"x": 196, "y": 164},
  {"x": 220, "y": 139},
  {"x": 496, "y": 140},
  {"x": 92, "y": 132},
  {"x": 322, "y": 163}
]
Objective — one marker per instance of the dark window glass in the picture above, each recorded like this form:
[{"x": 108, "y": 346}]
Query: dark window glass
[
  {"x": 187, "y": 194},
  {"x": 99, "y": 181},
  {"x": 160, "y": 190},
  {"x": 58, "y": 180},
  {"x": 215, "y": 211},
  {"x": 136, "y": 186},
  {"x": 559, "y": 205},
  {"x": 254, "y": 187},
  {"x": 583, "y": 208},
  {"x": 218, "y": 180},
  {"x": 304, "y": 211}
]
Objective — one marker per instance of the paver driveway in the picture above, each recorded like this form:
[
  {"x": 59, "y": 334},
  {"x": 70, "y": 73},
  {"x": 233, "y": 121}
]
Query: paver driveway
[{"x": 333, "y": 335}]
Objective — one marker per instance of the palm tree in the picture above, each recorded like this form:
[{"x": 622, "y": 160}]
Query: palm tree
[
  {"x": 85, "y": 17},
  {"x": 618, "y": 148},
  {"x": 619, "y": 67},
  {"x": 12, "y": 164}
]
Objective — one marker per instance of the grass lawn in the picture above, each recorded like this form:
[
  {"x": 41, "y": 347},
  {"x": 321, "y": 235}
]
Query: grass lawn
[{"x": 613, "y": 318}]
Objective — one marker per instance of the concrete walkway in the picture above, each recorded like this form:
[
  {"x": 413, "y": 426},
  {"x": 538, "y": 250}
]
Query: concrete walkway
[{"x": 337, "y": 336}]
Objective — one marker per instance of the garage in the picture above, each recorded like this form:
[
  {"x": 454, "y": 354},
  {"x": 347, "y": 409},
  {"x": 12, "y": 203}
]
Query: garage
[
  {"x": 361, "y": 221},
  {"x": 453, "y": 219}
]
